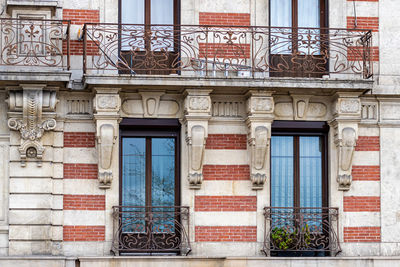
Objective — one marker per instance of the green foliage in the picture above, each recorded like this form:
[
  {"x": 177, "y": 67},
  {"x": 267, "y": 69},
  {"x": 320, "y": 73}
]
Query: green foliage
[{"x": 285, "y": 239}]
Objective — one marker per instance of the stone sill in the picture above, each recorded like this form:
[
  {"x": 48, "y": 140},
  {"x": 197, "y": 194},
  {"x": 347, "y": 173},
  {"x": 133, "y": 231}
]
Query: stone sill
[
  {"x": 41, "y": 76},
  {"x": 41, "y": 3},
  {"x": 233, "y": 82}
]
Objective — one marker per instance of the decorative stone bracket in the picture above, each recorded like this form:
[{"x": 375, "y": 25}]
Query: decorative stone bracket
[
  {"x": 260, "y": 110},
  {"x": 106, "y": 140},
  {"x": 197, "y": 113},
  {"x": 107, "y": 104},
  {"x": 26, "y": 109},
  {"x": 348, "y": 115}
]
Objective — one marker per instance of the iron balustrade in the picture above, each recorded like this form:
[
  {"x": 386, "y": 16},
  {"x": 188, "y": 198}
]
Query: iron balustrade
[
  {"x": 150, "y": 230},
  {"x": 226, "y": 51},
  {"x": 35, "y": 43},
  {"x": 301, "y": 231}
]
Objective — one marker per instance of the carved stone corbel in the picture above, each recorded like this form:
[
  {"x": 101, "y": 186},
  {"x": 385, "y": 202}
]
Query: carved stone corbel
[
  {"x": 348, "y": 115},
  {"x": 260, "y": 110},
  {"x": 346, "y": 142},
  {"x": 105, "y": 139},
  {"x": 107, "y": 104},
  {"x": 26, "y": 110},
  {"x": 197, "y": 113}
]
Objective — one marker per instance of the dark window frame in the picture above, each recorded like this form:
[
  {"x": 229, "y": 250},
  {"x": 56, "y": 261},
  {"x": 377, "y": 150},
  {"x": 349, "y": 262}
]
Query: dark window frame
[
  {"x": 305, "y": 128},
  {"x": 152, "y": 128},
  {"x": 276, "y": 59}
]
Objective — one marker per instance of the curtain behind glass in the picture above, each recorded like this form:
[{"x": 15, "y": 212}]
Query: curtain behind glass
[
  {"x": 309, "y": 17},
  {"x": 132, "y": 11},
  {"x": 281, "y": 16},
  {"x": 282, "y": 171},
  {"x": 310, "y": 172}
]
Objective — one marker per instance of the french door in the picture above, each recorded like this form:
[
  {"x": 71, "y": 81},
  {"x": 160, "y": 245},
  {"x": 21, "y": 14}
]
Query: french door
[
  {"x": 149, "y": 192},
  {"x": 300, "y": 222},
  {"x": 298, "y": 40},
  {"x": 153, "y": 47}
]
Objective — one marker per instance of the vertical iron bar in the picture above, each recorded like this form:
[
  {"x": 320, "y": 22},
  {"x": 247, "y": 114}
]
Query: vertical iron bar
[
  {"x": 84, "y": 48},
  {"x": 68, "y": 45}
]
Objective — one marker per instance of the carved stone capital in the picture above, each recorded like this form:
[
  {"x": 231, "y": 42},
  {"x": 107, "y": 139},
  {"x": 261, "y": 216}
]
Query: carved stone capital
[
  {"x": 347, "y": 106},
  {"x": 260, "y": 103},
  {"x": 197, "y": 102},
  {"x": 26, "y": 109}
]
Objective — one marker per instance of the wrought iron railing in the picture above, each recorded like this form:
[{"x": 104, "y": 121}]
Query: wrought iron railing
[
  {"x": 151, "y": 230},
  {"x": 226, "y": 51},
  {"x": 34, "y": 43},
  {"x": 301, "y": 231}
]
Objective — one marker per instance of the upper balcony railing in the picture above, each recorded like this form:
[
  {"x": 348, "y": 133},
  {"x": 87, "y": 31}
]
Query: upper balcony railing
[
  {"x": 301, "y": 231},
  {"x": 227, "y": 51},
  {"x": 32, "y": 43}
]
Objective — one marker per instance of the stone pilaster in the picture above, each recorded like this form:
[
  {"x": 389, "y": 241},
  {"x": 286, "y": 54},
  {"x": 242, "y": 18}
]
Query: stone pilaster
[
  {"x": 107, "y": 104},
  {"x": 36, "y": 172},
  {"x": 347, "y": 115},
  {"x": 260, "y": 114},
  {"x": 197, "y": 112}
]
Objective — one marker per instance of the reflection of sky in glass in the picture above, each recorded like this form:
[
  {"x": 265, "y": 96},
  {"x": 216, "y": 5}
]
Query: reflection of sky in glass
[
  {"x": 133, "y": 171},
  {"x": 163, "y": 171},
  {"x": 282, "y": 171}
]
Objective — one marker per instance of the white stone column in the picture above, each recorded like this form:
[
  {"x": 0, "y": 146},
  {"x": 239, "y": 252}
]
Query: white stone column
[
  {"x": 347, "y": 115},
  {"x": 260, "y": 115},
  {"x": 107, "y": 104},
  {"x": 197, "y": 114}
]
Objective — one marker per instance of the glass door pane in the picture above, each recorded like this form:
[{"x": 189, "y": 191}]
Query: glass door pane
[
  {"x": 309, "y": 17},
  {"x": 133, "y": 171},
  {"x": 310, "y": 171},
  {"x": 281, "y": 16},
  {"x": 282, "y": 175},
  {"x": 163, "y": 172}
]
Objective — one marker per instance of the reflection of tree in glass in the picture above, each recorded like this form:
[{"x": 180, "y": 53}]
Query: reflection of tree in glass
[
  {"x": 163, "y": 172},
  {"x": 134, "y": 173}
]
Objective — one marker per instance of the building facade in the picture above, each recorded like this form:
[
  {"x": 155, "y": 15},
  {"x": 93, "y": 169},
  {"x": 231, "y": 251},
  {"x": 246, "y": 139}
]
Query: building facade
[{"x": 199, "y": 133}]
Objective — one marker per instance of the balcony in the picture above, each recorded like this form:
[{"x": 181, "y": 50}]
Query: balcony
[
  {"x": 139, "y": 230},
  {"x": 301, "y": 231},
  {"x": 34, "y": 45},
  {"x": 227, "y": 51}
]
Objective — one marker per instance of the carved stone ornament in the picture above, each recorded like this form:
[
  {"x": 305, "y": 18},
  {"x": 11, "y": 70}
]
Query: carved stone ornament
[
  {"x": 349, "y": 106},
  {"x": 196, "y": 144},
  {"x": 347, "y": 146},
  {"x": 106, "y": 140},
  {"x": 32, "y": 102},
  {"x": 199, "y": 103},
  {"x": 259, "y": 144}
]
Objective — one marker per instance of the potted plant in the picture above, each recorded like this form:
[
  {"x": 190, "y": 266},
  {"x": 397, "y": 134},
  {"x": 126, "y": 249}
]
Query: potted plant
[{"x": 291, "y": 242}]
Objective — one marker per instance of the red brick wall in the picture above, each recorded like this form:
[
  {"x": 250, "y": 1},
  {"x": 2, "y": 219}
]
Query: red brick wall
[
  {"x": 80, "y": 171},
  {"x": 84, "y": 202},
  {"x": 223, "y": 50},
  {"x": 226, "y": 233},
  {"x": 226, "y": 141},
  {"x": 84, "y": 233},
  {"x": 362, "y": 234},
  {"x": 234, "y": 19},
  {"x": 366, "y": 173},
  {"x": 355, "y": 53},
  {"x": 79, "y": 139},
  {"x": 225, "y": 203},
  {"x": 226, "y": 172},
  {"x": 81, "y": 16},
  {"x": 370, "y": 23},
  {"x": 368, "y": 143},
  {"x": 76, "y": 48},
  {"x": 361, "y": 203}
]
